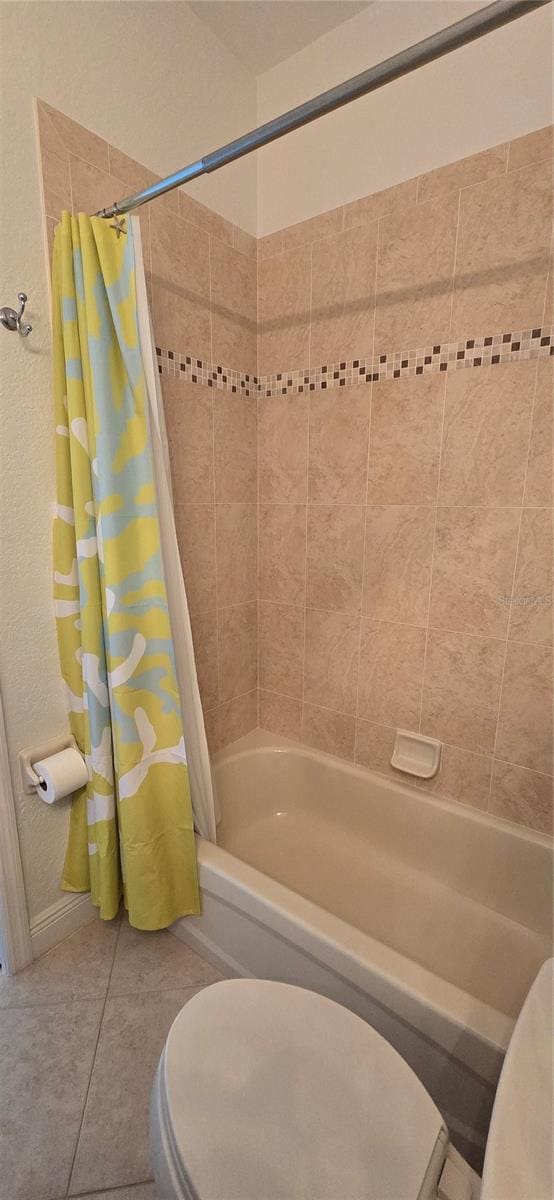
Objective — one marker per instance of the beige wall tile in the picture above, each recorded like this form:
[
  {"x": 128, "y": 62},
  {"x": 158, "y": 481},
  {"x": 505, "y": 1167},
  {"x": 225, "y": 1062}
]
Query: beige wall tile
[
  {"x": 397, "y": 572},
  {"x": 549, "y": 299},
  {"x": 332, "y": 732},
  {"x": 137, "y": 177},
  {"x": 181, "y": 282},
  {"x": 374, "y": 747},
  {"x": 414, "y": 276},
  {"x": 391, "y": 673},
  {"x": 525, "y": 720},
  {"x": 486, "y": 429},
  {"x": 211, "y": 725},
  {"x": 280, "y": 647},
  {"x": 196, "y": 537},
  {"x": 522, "y": 796},
  {"x": 92, "y": 189},
  {"x": 380, "y": 204},
  {"x": 531, "y": 148},
  {"x": 56, "y": 183},
  {"x": 463, "y": 776},
  {"x": 245, "y": 242},
  {"x": 335, "y": 556},
  {"x": 50, "y": 224},
  {"x": 473, "y": 569},
  {"x": 538, "y": 484},
  {"x": 204, "y": 638},
  {"x": 180, "y": 321},
  {"x": 235, "y": 447},
  {"x": 237, "y": 717},
  {"x": 282, "y": 553},
  {"x": 280, "y": 715},
  {"x": 237, "y": 650},
  {"x": 531, "y": 607},
  {"x": 502, "y": 253},
  {"x": 462, "y": 689},
  {"x": 236, "y": 537},
  {"x": 270, "y": 245},
  {"x": 343, "y": 295},
  {"x": 189, "y": 418},
  {"x": 315, "y": 227},
  {"x": 404, "y": 446},
  {"x": 61, "y": 133},
  {"x": 233, "y": 294},
  {"x": 339, "y": 429},
  {"x": 456, "y": 175},
  {"x": 283, "y": 448},
  {"x": 331, "y": 659},
  {"x": 204, "y": 218},
  {"x": 284, "y": 311}
]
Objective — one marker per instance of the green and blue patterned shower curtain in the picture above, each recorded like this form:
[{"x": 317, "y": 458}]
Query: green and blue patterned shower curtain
[{"x": 131, "y": 828}]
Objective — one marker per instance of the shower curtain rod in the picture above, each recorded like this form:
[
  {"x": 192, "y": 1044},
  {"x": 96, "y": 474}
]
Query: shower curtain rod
[{"x": 433, "y": 47}]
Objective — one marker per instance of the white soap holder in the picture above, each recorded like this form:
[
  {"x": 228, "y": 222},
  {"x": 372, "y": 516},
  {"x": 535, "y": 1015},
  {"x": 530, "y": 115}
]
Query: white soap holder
[{"x": 415, "y": 754}]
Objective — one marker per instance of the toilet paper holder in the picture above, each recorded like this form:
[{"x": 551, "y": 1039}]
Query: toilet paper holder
[{"x": 29, "y": 778}]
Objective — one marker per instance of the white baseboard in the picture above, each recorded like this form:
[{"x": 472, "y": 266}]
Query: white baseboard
[{"x": 63, "y": 918}]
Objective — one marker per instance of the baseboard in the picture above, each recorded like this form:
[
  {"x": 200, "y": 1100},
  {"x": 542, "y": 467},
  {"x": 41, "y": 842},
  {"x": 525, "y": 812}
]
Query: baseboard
[{"x": 63, "y": 918}]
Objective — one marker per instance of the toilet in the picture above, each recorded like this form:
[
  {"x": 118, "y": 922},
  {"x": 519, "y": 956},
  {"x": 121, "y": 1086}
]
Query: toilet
[{"x": 265, "y": 1091}]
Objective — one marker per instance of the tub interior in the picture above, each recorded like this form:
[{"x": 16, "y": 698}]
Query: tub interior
[{"x": 464, "y": 895}]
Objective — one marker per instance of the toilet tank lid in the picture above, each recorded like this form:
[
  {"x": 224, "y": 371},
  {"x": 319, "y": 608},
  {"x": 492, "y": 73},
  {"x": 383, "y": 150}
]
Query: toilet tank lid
[{"x": 272, "y": 1092}]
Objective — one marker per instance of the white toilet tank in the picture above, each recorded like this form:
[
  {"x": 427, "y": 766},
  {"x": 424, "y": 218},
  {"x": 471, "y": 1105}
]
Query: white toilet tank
[{"x": 518, "y": 1159}]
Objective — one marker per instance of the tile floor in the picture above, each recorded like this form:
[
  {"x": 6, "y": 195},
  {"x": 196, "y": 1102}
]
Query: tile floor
[{"x": 81, "y": 1031}]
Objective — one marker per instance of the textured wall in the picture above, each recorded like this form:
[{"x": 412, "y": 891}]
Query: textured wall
[
  {"x": 405, "y": 477},
  {"x": 491, "y": 91}
]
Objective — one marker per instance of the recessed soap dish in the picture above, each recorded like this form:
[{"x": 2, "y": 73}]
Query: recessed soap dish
[{"x": 415, "y": 754}]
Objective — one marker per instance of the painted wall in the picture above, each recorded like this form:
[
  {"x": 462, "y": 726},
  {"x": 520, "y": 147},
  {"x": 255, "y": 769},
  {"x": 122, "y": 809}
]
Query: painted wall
[
  {"x": 133, "y": 77},
  {"x": 486, "y": 93}
]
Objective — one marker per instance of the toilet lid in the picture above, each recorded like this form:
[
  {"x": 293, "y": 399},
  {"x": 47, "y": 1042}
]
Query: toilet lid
[{"x": 271, "y": 1092}]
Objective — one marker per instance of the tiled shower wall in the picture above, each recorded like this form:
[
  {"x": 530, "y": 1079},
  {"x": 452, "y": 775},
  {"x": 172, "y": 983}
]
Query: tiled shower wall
[
  {"x": 398, "y": 499},
  {"x": 201, "y": 275},
  {"x": 405, "y": 477}
]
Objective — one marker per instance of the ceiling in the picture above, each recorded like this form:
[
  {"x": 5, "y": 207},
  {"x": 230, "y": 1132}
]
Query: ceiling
[{"x": 262, "y": 33}]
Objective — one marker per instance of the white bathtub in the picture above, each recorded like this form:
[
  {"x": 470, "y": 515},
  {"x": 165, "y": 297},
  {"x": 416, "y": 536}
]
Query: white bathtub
[{"x": 428, "y": 919}]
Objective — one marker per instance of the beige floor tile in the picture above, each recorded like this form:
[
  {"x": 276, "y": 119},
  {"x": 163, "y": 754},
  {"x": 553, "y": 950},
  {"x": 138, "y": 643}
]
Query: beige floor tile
[
  {"x": 151, "y": 962},
  {"x": 77, "y": 969},
  {"x": 113, "y": 1147},
  {"x": 46, "y": 1055}
]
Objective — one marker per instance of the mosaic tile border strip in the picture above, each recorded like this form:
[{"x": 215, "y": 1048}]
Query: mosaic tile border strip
[{"x": 491, "y": 350}]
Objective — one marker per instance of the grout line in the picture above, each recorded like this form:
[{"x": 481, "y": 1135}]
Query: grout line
[
  {"x": 437, "y": 493},
  {"x": 369, "y": 421},
  {"x": 100, "y": 1023},
  {"x": 304, "y": 607},
  {"x": 514, "y": 576},
  {"x": 432, "y": 564},
  {"x": 118, "y": 1187}
]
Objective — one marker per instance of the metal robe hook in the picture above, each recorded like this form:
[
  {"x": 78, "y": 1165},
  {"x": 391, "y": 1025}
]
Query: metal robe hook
[{"x": 12, "y": 320}]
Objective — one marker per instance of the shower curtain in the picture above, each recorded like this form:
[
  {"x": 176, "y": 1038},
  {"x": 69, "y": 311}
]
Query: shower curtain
[{"x": 131, "y": 827}]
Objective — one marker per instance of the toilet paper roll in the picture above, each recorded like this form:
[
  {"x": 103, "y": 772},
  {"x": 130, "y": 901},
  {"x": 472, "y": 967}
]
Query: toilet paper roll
[{"x": 60, "y": 774}]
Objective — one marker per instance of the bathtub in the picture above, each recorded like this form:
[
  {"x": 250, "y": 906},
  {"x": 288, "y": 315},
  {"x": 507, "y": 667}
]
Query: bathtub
[{"x": 425, "y": 917}]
